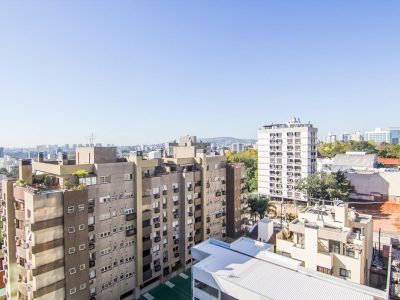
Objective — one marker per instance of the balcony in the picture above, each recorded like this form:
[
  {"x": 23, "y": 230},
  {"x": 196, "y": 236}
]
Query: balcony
[
  {"x": 190, "y": 201},
  {"x": 175, "y": 215},
  {"x": 176, "y": 190},
  {"x": 190, "y": 214},
  {"x": 146, "y": 200},
  {"x": 176, "y": 254},
  {"x": 146, "y": 244},
  {"x": 147, "y": 259},
  {"x": 130, "y": 232},
  {"x": 176, "y": 202},
  {"x": 165, "y": 259},
  {"x": 176, "y": 241},
  {"x": 156, "y": 196},
  {"x": 165, "y": 233},
  {"x": 90, "y": 209},
  {"x": 92, "y": 263},
  {"x": 190, "y": 238},
  {"x": 190, "y": 188},
  {"x": 157, "y": 268},
  {"x": 157, "y": 239},
  {"x": 165, "y": 219},
  {"x": 147, "y": 275},
  {"x": 165, "y": 193},
  {"x": 90, "y": 227},
  {"x": 217, "y": 194},
  {"x": 164, "y": 206},
  {"x": 156, "y": 210},
  {"x": 157, "y": 225}
]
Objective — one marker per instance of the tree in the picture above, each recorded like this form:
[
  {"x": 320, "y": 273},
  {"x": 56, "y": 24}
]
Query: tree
[
  {"x": 250, "y": 159},
  {"x": 363, "y": 146},
  {"x": 259, "y": 205},
  {"x": 326, "y": 186}
]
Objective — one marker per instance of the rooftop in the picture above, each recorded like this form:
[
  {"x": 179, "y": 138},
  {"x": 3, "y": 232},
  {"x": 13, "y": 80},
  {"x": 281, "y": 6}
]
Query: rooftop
[{"x": 269, "y": 275}]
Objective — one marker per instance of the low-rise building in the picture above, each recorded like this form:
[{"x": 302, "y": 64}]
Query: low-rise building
[
  {"x": 247, "y": 269},
  {"x": 334, "y": 240},
  {"x": 354, "y": 161}
]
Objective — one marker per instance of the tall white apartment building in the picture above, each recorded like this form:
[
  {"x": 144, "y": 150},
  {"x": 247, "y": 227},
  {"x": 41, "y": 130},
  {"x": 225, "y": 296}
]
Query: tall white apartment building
[{"x": 286, "y": 154}]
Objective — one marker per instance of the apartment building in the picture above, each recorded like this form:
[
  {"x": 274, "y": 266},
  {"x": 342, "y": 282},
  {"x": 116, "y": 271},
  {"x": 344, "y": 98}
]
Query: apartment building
[
  {"x": 183, "y": 202},
  {"x": 236, "y": 199},
  {"x": 247, "y": 269},
  {"x": 74, "y": 228},
  {"x": 286, "y": 154},
  {"x": 331, "y": 239},
  {"x": 102, "y": 227}
]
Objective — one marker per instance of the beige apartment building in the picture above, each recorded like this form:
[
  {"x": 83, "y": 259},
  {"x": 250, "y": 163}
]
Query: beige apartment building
[
  {"x": 74, "y": 234},
  {"x": 331, "y": 239},
  {"x": 102, "y": 227}
]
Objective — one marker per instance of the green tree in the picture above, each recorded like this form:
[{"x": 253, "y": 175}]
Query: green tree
[
  {"x": 363, "y": 146},
  {"x": 259, "y": 205},
  {"x": 326, "y": 186},
  {"x": 250, "y": 159}
]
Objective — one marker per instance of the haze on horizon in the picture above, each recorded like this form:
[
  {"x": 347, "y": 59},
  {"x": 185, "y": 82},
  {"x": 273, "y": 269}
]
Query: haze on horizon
[{"x": 151, "y": 71}]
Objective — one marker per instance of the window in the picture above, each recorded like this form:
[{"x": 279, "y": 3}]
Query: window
[
  {"x": 324, "y": 270},
  {"x": 82, "y": 247},
  {"x": 81, "y": 227},
  {"x": 82, "y": 267},
  {"x": 345, "y": 273},
  {"x": 104, "y": 179},
  {"x": 71, "y": 209},
  {"x": 81, "y": 207},
  {"x": 71, "y": 229},
  {"x": 105, "y": 199},
  {"x": 334, "y": 246},
  {"x": 82, "y": 286},
  {"x": 285, "y": 254},
  {"x": 72, "y": 271},
  {"x": 128, "y": 176},
  {"x": 72, "y": 291},
  {"x": 71, "y": 250}
]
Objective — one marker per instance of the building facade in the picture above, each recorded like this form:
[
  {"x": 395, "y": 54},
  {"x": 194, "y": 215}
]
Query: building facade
[
  {"x": 236, "y": 200},
  {"x": 286, "y": 154},
  {"x": 102, "y": 227},
  {"x": 334, "y": 240}
]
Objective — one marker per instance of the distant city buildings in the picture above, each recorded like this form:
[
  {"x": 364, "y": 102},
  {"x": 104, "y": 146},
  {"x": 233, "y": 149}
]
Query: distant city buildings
[
  {"x": 334, "y": 240},
  {"x": 389, "y": 135},
  {"x": 1, "y": 152},
  {"x": 286, "y": 154},
  {"x": 237, "y": 147}
]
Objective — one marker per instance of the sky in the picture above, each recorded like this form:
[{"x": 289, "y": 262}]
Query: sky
[{"x": 135, "y": 72}]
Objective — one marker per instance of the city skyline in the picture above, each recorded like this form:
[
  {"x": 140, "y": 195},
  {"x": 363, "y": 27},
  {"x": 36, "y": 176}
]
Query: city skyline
[{"x": 135, "y": 72}]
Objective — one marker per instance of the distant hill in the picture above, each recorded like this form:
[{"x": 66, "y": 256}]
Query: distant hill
[{"x": 227, "y": 140}]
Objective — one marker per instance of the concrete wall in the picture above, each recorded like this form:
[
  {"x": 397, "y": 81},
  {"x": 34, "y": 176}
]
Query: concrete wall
[{"x": 386, "y": 183}]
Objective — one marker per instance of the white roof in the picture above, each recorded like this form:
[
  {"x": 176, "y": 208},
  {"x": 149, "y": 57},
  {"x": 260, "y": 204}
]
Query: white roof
[{"x": 272, "y": 276}]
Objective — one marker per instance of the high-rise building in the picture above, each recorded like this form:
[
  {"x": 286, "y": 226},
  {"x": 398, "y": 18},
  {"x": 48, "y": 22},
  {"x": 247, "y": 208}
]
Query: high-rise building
[
  {"x": 286, "y": 154},
  {"x": 237, "y": 147},
  {"x": 103, "y": 227},
  {"x": 74, "y": 228},
  {"x": 236, "y": 199},
  {"x": 389, "y": 135}
]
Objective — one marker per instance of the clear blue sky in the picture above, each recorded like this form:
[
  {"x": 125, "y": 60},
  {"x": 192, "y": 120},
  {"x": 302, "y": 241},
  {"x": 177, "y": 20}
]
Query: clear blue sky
[{"x": 148, "y": 71}]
